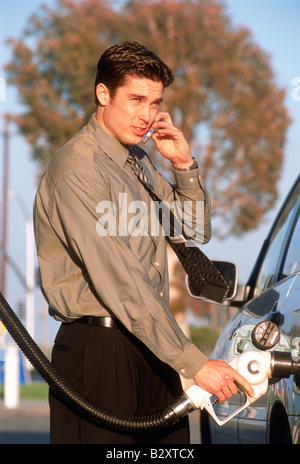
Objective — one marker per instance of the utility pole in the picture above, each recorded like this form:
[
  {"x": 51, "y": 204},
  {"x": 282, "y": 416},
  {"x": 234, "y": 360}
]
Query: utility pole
[
  {"x": 11, "y": 365},
  {"x": 4, "y": 205}
]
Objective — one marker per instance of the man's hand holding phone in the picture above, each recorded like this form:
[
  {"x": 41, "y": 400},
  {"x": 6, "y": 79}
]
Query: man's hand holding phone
[{"x": 170, "y": 141}]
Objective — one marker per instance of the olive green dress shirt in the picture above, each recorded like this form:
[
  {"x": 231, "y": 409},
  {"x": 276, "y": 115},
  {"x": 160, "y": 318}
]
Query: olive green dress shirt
[{"x": 87, "y": 272}]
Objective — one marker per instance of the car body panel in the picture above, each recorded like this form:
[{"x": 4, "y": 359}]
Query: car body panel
[{"x": 280, "y": 300}]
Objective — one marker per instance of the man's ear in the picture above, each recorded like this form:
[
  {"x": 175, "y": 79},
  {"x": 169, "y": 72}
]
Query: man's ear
[{"x": 103, "y": 94}]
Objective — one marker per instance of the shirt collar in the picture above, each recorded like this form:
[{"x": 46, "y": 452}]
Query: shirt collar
[{"x": 111, "y": 146}]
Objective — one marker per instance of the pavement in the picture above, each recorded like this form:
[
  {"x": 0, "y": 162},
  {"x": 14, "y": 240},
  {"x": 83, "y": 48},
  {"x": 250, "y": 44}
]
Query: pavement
[
  {"x": 29, "y": 424},
  {"x": 26, "y": 424}
]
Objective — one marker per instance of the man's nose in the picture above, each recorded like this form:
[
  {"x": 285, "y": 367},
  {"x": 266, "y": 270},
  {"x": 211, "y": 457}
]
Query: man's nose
[{"x": 145, "y": 114}]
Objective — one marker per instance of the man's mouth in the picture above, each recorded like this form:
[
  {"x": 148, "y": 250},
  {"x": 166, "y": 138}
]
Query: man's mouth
[{"x": 140, "y": 131}]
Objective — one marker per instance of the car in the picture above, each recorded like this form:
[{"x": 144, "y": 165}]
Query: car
[{"x": 271, "y": 294}]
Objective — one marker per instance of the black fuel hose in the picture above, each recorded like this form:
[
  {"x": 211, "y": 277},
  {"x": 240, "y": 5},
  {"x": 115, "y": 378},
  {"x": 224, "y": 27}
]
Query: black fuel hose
[{"x": 73, "y": 399}]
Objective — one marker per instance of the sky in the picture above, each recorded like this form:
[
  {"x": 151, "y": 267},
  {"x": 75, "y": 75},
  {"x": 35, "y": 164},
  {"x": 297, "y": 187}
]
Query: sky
[{"x": 275, "y": 27}]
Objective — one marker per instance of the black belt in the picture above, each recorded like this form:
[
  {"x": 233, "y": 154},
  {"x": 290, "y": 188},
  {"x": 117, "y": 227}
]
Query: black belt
[{"x": 99, "y": 321}]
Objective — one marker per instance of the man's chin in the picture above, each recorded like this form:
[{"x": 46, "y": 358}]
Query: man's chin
[{"x": 134, "y": 140}]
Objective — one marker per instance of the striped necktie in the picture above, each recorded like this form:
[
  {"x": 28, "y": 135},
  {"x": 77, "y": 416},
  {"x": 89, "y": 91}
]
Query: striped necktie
[
  {"x": 169, "y": 218},
  {"x": 204, "y": 276},
  {"x": 139, "y": 171}
]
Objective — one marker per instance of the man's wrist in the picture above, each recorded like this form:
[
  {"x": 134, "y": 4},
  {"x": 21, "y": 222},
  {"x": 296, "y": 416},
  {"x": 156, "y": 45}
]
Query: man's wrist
[{"x": 187, "y": 166}]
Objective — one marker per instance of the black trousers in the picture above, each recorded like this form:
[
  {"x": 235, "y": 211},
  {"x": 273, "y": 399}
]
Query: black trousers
[{"x": 117, "y": 372}]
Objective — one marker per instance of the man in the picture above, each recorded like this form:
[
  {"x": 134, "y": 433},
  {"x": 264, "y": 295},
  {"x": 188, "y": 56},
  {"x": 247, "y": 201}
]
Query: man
[{"x": 107, "y": 280}]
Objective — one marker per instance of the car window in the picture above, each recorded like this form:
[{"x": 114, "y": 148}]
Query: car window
[
  {"x": 292, "y": 260},
  {"x": 266, "y": 276}
]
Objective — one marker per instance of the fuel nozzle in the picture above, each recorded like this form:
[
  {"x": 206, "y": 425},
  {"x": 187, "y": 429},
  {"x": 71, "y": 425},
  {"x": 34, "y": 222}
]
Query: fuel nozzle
[
  {"x": 257, "y": 365},
  {"x": 283, "y": 365}
]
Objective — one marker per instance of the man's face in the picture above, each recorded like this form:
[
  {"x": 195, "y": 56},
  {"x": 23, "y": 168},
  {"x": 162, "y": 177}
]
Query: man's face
[{"x": 129, "y": 114}]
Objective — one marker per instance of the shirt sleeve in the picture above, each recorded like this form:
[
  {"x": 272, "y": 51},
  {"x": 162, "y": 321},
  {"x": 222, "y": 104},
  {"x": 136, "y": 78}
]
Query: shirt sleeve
[
  {"x": 189, "y": 199},
  {"x": 116, "y": 275},
  {"x": 196, "y": 206}
]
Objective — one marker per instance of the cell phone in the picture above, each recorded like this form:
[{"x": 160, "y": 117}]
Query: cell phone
[{"x": 147, "y": 135}]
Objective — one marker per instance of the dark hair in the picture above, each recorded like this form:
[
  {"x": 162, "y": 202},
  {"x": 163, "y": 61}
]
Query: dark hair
[{"x": 130, "y": 59}]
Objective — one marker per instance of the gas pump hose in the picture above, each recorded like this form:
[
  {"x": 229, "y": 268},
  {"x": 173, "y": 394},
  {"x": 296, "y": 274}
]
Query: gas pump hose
[{"x": 73, "y": 399}]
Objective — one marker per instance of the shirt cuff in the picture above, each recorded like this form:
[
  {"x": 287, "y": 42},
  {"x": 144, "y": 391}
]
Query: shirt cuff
[
  {"x": 189, "y": 180},
  {"x": 190, "y": 361}
]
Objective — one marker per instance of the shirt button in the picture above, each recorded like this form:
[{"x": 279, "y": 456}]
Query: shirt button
[
  {"x": 161, "y": 293},
  {"x": 182, "y": 371}
]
